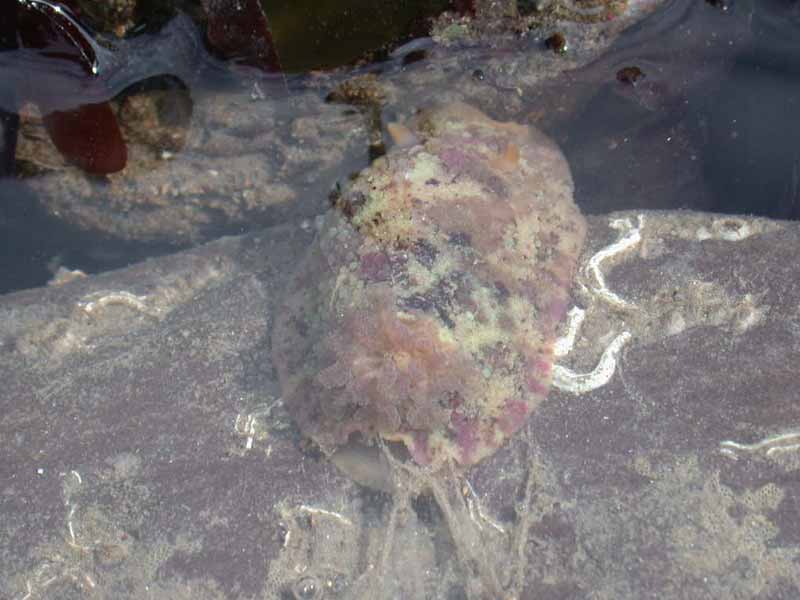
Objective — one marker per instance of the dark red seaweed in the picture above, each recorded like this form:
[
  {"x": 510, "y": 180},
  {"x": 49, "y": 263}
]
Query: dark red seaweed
[
  {"x": 89, "y": 136},
  {"x": 238, "y": 29}
]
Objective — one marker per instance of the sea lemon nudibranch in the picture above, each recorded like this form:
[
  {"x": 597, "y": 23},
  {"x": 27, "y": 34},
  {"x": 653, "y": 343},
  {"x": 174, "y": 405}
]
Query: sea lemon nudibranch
[{"x": 426, "y": 310}]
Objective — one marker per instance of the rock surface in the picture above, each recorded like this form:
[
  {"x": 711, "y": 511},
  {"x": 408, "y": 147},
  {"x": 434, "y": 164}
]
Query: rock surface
[{"x": 146, "y": 453}]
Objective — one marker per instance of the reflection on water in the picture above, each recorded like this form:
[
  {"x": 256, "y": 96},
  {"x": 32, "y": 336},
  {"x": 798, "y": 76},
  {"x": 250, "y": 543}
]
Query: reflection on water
[
  {"x": 754, "y": 162},
  {"x": 710, "y": 124}
]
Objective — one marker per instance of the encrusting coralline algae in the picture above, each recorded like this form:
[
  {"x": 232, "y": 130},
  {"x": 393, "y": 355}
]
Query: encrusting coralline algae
[{"x": 427, "y": 308}]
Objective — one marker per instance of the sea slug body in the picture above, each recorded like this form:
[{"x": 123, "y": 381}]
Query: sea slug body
[{"x": 427, "y": 308}]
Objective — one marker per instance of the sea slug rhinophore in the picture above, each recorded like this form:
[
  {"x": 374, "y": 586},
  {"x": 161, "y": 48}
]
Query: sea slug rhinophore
[{"x": 426, "y": 310}]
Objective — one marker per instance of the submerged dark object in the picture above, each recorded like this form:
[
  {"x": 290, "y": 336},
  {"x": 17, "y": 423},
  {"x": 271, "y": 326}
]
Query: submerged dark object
[
  {"x": 310, "y": 35},
  {"x": 9, "y": 120},
  {"x": 557, "y": 43},
  {"x": 240, "y": 31},
  {"x": 630, "y": 75}
]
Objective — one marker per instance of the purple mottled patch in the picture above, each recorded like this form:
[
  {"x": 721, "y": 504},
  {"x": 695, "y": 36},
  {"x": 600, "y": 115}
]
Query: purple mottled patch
[
  {"x": 514, "y": 415},
  {"x": 375, "y": 266},
  {"x": 536, "y": 386},
  {"x": 419, "y": 449},
  {"x": 557, "y": 309},
  {"x": 537, "y": 376},
  {"x": 466, "y": 434},
  {"x": 456, "y": 159},
  {"x": 379, "y": 266}
]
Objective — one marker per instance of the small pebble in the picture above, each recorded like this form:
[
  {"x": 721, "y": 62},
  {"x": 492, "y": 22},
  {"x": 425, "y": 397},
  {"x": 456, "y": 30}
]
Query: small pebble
[
  {"x": 557, "y": 43},
  {"x": 630, "y": 75}
]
